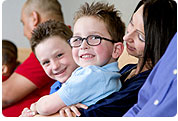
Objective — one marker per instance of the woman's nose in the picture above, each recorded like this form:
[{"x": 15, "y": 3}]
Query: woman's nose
[{"x": 128, "y": 37}]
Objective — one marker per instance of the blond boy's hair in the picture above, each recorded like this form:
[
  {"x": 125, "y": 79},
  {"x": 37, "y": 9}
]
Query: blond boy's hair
[{"x": 108, "y": 14}]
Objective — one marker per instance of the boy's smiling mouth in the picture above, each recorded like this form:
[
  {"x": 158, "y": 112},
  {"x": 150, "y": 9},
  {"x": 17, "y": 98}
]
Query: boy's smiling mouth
[
  {"x": 87, "y": 56},
  {"x": 61, "y": 71}
]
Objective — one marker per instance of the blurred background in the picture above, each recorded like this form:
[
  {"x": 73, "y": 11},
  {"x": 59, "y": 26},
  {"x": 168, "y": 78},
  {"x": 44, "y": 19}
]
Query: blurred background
[{"x": 12, "y": 28}]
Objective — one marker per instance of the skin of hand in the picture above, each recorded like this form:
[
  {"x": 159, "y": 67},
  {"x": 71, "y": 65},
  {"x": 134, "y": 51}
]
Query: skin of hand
[
  {"x": 33, "y": 108},
  {"x": 27, "y": 113},
  {"x": 72, "y": 111}
]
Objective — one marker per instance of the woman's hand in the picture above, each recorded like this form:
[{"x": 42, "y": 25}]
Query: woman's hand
[{"x": 72, "y": 111}]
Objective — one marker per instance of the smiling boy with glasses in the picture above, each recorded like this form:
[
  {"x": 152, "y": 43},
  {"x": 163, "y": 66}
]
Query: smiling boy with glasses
[{"x": 96, "y": 46}]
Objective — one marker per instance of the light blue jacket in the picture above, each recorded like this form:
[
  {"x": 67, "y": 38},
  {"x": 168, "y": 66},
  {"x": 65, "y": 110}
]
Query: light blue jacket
[{"x": 90, "y": 84}]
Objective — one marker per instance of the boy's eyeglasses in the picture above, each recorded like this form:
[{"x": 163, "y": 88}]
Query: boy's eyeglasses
[{"x": 92, "y": 40}]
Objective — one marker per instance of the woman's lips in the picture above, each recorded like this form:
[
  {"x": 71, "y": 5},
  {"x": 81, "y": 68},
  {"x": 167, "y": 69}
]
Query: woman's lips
[{"x": 130, "y": 48}]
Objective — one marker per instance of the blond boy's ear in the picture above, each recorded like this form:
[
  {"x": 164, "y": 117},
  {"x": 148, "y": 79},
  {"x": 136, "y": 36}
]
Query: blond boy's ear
[
  {"x": 4, "y": 69},
  {"x": 118, "y": 49}
]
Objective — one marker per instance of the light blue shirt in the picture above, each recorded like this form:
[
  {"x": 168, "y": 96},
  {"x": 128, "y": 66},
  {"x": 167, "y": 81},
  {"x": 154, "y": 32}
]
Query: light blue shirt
[
  {"x": 158, "y": 96},
  {"x": 90, "y": 84}
]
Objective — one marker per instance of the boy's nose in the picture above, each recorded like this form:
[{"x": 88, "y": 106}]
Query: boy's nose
[
  {"x": 84, "y": 45},
  {"x": 55, "y": 65}
]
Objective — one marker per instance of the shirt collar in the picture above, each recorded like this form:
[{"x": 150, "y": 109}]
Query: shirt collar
[{"x": 112, "y": 67}]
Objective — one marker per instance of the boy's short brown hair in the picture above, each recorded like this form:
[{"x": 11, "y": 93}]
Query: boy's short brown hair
[
  {"x": 48, "y": 29},
  {"x": 108, "y": 14}
]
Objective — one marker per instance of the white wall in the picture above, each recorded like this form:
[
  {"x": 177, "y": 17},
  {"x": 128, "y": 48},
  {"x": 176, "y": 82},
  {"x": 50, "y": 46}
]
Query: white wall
[{"x": 12, "y": 28}]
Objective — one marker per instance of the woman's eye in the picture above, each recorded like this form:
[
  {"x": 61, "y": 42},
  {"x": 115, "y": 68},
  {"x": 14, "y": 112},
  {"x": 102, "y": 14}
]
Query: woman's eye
[{"x": 141, "y": 37}]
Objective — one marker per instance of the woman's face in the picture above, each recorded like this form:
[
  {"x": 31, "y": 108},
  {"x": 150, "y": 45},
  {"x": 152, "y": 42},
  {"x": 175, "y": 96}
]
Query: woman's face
[{"x": 135, "y": 37}]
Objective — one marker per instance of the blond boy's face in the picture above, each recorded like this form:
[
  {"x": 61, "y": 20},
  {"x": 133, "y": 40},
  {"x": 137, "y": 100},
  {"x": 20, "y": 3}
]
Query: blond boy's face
[
  {"x": 55, "y": 56},
  {"x": 92, "y": 55}
]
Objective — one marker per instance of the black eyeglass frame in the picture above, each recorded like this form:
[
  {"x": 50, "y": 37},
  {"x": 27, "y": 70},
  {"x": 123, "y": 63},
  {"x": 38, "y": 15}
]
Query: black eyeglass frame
[{"x": 86, "y": 38}]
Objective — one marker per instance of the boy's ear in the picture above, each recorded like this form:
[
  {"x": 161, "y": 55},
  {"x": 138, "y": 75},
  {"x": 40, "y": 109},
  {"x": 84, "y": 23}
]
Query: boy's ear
[
  {"x": 117, "y": 50},
  {"x": 35, "y": 18},
  {"x": 4, "y": 69}
]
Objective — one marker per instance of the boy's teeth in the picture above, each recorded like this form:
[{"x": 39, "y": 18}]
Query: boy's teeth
[{"x": 87, "y": 56}]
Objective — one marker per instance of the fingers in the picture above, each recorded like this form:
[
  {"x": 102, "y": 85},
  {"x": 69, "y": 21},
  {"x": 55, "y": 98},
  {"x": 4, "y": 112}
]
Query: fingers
[
  {"x": 33, "y": 108},
  {"x": 75, "y": 110},
  {"x": 68, "y": 112},
  {"x": 62, "y": 113},
  {"x": 27, "y": 113},
  {"x": 80, "y": 105},
  {"x": 24, "y": 112},
  {"x": 65, "y": 112},
  {"x": 72, "y": 111}
]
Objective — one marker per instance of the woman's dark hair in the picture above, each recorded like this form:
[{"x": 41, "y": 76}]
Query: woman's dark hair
[
  {"x": 160, "y": 25},
  {"x": 138, "y": 6}
]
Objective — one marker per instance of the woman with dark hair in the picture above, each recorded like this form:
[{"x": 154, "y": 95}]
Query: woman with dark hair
[
  {"x": 158, "y": 95},
  {"x": 149, "y": 32},
  {"x": 156, "y": 33},
  {"x": 160, "y": 25}
]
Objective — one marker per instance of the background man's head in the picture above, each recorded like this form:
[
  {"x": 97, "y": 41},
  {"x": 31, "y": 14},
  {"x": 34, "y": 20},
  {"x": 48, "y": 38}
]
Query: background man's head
[{"x": 38, "y": 11}]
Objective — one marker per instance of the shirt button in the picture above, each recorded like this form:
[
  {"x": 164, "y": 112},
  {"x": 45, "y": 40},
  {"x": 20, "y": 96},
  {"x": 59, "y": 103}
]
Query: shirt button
[
  {"x": 175, "y": 71},
  {"x": 156, "y": 102}
]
